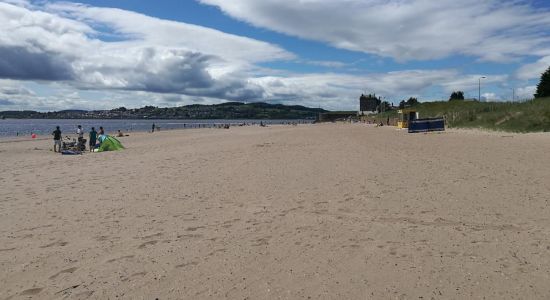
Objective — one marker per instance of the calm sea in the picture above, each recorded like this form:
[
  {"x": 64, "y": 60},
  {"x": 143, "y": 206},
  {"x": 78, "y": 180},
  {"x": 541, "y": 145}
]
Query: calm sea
[{"x": 44, "y": 127}]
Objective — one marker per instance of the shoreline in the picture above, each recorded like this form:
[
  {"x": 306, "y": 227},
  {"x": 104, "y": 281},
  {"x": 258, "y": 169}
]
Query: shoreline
[
  {"x": 190, "y": 124},
  {"x": 7, "y": 140}
]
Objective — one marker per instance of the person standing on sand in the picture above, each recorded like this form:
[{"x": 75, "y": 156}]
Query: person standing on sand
[
  {"x": 56, "y": 139},
  {"x": 153, "y": 128},
  {"x": 80, "y": 133},
  {"x": 93, "y": 139}
]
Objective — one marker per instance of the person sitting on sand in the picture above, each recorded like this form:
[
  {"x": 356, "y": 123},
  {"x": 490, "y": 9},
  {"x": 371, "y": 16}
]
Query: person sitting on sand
[
  {"x": 56, "y": 139},
  {"x": 93, "y": 139},
  {"x": 120, "y": 134},
  {"x": 101, "y": 131}
]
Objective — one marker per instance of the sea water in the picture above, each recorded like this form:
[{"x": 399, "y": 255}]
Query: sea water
[{"x": 44, "y": 127}]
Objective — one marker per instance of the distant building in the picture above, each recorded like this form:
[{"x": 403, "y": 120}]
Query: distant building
[{"x": 369, "y": 104}]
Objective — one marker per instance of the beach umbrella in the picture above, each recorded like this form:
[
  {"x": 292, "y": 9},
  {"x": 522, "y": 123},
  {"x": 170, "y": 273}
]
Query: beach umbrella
[{"x": 109, "y": 143}]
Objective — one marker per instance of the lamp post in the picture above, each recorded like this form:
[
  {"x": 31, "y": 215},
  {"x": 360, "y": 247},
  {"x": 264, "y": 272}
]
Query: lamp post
[
  {"x": 479, "y": 90},
  {"x": 513, "y": 94}
]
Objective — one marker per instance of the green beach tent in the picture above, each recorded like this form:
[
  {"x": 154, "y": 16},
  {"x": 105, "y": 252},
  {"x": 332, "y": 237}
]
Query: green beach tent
[{"x": 109, "y": 143}]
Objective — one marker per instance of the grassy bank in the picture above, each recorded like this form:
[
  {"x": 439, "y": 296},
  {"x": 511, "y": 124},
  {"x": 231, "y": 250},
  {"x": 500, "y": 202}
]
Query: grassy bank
[{"x": 529, "y": 116}]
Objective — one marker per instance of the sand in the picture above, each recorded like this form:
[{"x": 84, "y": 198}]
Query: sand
[{"x": 328, "y": 211}]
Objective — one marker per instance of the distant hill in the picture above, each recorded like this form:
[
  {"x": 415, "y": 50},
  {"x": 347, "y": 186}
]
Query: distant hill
[{"x": 228, "y": 110}]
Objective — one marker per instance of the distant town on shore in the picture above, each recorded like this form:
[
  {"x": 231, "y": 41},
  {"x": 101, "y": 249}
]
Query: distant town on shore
[{"x": 228, "y": 110}]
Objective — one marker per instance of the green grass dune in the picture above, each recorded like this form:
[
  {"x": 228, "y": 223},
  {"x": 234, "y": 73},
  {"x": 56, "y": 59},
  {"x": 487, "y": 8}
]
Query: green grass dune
[{"x": 528, "y": 116}]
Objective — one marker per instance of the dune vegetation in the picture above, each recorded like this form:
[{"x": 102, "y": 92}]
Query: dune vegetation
[{"x": 527, "y": 116}]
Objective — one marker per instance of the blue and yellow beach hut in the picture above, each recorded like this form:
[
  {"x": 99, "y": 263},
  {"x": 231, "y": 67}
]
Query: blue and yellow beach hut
[{"x": 404, "y": 116}]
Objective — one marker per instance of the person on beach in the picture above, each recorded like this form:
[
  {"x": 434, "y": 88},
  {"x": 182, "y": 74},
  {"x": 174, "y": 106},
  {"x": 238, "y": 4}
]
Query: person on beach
[
  {"x": 56, "y": 139},
  {"x": 153, "y": 128},
  {"x": 101, "y": 131},
  {"x": 80, "y": 133},
  {"x": 93, "y": 139},
  {"x": 120, "y": 134}
]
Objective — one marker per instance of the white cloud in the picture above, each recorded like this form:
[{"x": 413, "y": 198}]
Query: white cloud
[
  {"x": 490, "y": 97},
  {"x": 59, "y": 42},
  {"x": 492, "y": 30},
  {"x": 86, "y": 57},
  {"x": 140, "y": 29},
  {"x": 330, "y": 91},
  {"x": 339, "y": 91},
  {"x": 10, "y": 90},
  {"x": 326, "y": 63},
  {"x": 472, "y": 82},
  {"x": 527, "y": 92},
  {"x": 534, "y": 70}
]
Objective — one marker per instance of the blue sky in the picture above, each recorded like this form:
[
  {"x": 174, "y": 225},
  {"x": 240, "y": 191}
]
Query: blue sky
[{"x": 105, "y": 54}]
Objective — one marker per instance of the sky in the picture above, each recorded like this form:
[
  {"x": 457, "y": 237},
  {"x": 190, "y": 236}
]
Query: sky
[{"x": 103, "y": 54}]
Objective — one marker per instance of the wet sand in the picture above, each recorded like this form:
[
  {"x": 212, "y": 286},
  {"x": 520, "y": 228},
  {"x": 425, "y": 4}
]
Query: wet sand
[{"x": 329, "y": 211}]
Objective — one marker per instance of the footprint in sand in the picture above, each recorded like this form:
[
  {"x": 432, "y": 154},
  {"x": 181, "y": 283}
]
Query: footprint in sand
[
  {"x": 193, "y": 263},
  {"x": 70, "y": 270},
  {"x": 194, "y": 228},
  {"x": 120, "y": 258},
  {"x": 147, "y": 244},
  {"x": 102, "y": 238},
  {"x": 31, "y": 292},
  {"x": 58, "y": 243},
  {"x": 189, "y": 236},
  {"x": 152, "y": 236},
  {"x": 84, "y": 295},
  {"x": 216, "y": 251},
  {"x": 264, "y": 241},
  {"x": 138, "y": 274}
]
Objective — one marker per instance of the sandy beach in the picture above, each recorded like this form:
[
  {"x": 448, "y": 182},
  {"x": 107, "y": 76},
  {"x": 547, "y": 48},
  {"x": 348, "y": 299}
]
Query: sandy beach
[{"x": 328, "y": 211}]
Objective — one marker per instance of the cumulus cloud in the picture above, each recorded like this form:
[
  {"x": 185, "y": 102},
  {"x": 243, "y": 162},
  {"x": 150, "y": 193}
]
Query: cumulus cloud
[
  {"x": 526, "y": 92},
  {"x": 337, "y": 91},
  {"x": 61, "y": 42},
  {"x": 470, "y": 82},
  {"x": 135, "y": 28},
  {"x": 534, "y": 70},
  {"x": 86, "y": 57},
  {"x": 492, "y": 30},
  {"x": 10, "y": 90},
  {"x": 490, "y": 97},
  {"x": 18, "y": 62},
  {"x": 331, "y": 91},
  {"x": 14, "y": 95}
]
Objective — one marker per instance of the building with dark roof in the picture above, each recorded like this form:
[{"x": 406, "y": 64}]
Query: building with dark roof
[{"x": 369, "y": 103}]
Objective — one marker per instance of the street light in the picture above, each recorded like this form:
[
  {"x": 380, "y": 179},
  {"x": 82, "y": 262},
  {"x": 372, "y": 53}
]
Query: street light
[{"x": 479, "y": 91}]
